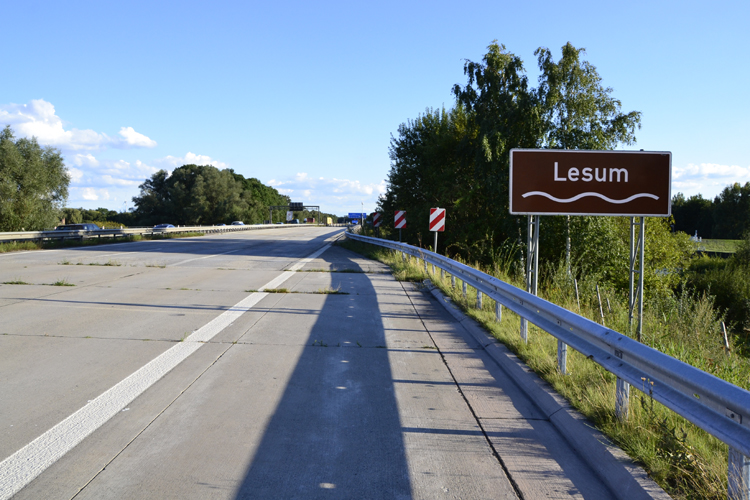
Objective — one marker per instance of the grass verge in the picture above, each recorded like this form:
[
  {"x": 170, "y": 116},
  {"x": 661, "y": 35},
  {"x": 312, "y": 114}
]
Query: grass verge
[
  {"x": 683, "y": 459},
  {"x": 17, "y": 246}
]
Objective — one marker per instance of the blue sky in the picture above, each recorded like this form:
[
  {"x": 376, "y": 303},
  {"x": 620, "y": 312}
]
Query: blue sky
[{"x": 305, "y": 95}]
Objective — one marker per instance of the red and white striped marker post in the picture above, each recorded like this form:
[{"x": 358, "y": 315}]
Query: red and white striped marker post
[
  {"x": 437, "y": 223},
  {"x": 400, "y": 221},
  {"x": 377, "y": 219}
]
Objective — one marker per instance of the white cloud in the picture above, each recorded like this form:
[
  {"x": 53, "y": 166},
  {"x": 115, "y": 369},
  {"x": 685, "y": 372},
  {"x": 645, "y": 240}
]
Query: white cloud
[
  {"x": 134, "y": 139},
  {"x": 338, "y": 196},
  {"x": 39, "y": 119},
  {"x": 75, "y": 175},
  {"x": 113, "y": 181},
  {"x": 91, "y": 194},
  {"x": 86, "y": 160},
  {"x": 191, "y": 159},
  {"x": 708, "y": 179}
]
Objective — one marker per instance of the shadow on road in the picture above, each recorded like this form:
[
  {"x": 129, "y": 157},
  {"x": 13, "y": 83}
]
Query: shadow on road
[{"x": 336, "y": 431}]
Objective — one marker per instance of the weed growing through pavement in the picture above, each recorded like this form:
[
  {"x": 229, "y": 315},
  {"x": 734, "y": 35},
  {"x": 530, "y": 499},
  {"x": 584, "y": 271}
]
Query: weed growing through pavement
[
  {"x": 331, "y": 291},
  {"x": 62, "y": 282}
]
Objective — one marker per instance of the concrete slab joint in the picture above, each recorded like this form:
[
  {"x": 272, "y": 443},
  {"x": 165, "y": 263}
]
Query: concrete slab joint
[{"x": 624, "y": 479}]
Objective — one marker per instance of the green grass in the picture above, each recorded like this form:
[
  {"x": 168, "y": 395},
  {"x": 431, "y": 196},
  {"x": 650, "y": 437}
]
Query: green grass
[
  {"x": 721, "y": 246},
  {"x": 62, "y": 282},
  {"x": 14, "y": 246},
  {"x": 685, "y": 460},
  {"x": 18, "y": 246},
  {"x": 15, "y": 282}
]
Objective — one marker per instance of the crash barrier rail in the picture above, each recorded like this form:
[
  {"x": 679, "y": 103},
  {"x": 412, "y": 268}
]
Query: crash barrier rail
[
  {"x": 118, "y": 233},
  {"x": 716, "y": 406}
]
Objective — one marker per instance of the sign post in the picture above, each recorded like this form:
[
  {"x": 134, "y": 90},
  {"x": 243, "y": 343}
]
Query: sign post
[
  {"x": 437, "y": 223},
  {"x": 615, "y": 183},
  {"x": 400, "y": 222}
]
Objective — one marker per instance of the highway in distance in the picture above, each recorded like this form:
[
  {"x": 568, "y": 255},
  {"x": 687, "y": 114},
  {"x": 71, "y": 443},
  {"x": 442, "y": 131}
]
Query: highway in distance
[{"x": 161, "y": 369}]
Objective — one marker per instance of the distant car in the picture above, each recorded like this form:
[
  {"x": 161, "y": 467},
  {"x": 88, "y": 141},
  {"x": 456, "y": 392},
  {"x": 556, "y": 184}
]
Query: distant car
[
  {"x": 238, "y": 223},
  {"x": 78, "y": 227},
  {"x": 221, "y": 224},
  {"x": 163, "y": 226}
]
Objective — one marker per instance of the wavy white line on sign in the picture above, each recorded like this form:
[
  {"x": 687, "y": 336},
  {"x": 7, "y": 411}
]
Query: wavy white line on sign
[{"x": 583, "y": 195}]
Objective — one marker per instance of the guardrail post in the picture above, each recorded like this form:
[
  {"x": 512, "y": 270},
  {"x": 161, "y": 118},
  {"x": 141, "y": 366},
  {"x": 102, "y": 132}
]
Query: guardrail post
[
  {"x": 442, "y": 273},
  {"x": 479, "y": 300},
  {"x": 622, "y": 399},
  {"x": 739, "y": 475},
  {"x": 562, "y": 357},
  {"x": 464, "y": 289},
  {"x": 498, "y": 311},
  {"x": 433, "y": 269},
  {"x": 453, "y": 281}
]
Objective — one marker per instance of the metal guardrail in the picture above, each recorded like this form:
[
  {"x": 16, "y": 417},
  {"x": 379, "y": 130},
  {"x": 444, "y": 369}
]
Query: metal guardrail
[
  {"x": 720, "y": 408},
  {"x": 118, "y": 233}
]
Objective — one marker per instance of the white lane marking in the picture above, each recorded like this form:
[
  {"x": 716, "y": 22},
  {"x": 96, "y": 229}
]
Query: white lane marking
[
  {"x": 23, "y": 466},
  {"x": 201, "y": 258}
]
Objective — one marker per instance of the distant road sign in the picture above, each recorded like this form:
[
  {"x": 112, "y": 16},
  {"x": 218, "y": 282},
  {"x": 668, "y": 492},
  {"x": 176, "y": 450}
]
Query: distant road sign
[
  {"x": 400, "y": 219},
  {"x": 569, "y": 182},
  {"x": 437, "y": 219},
  {"x": 289, "y": 216},
  {"x": 355, "y": 215},
  {"x": 377, "y": 219}
]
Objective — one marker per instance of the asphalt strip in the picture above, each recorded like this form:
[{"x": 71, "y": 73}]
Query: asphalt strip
[{"x": 26, "y": 464}]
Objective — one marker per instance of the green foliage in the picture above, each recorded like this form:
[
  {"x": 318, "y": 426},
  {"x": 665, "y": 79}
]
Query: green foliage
[
  {"x": 577, "y": 111},
  {"x": 726, "y": 217},
  {"x": 728, "y": 281},
  {"x": 731, "y": 213},
  {"x": 203, "y": 195},
  {"x": 692, "y": 214},
  {"x": 33, "y": 184},
  {"x": 459, "y": 159}
]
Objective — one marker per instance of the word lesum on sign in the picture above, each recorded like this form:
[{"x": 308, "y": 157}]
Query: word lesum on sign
[{"x": 565, "y": 182}]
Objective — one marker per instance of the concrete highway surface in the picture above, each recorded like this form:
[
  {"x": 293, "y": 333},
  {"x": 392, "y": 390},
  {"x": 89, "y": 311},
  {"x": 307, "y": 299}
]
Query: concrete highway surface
[{"x": 160, "y": 369}]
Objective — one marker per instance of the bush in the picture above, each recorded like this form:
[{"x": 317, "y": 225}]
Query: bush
[{"x": 728, "y": 281}]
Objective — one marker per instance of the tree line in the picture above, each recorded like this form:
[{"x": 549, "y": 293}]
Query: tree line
[
  {"x": 203, "y": 195},
  {"x": 459, "y": 159},
  {"x": 34, "y": 189},
  {"x": 726, "y": 217}
]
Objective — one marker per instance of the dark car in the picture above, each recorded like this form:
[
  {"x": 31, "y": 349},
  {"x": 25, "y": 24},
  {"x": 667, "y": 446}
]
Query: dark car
[{"x": 78, "y": 227}]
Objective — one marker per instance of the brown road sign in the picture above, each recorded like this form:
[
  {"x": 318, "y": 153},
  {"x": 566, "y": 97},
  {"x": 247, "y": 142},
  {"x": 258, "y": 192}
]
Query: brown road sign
[{"x": 568, "y": 182}]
